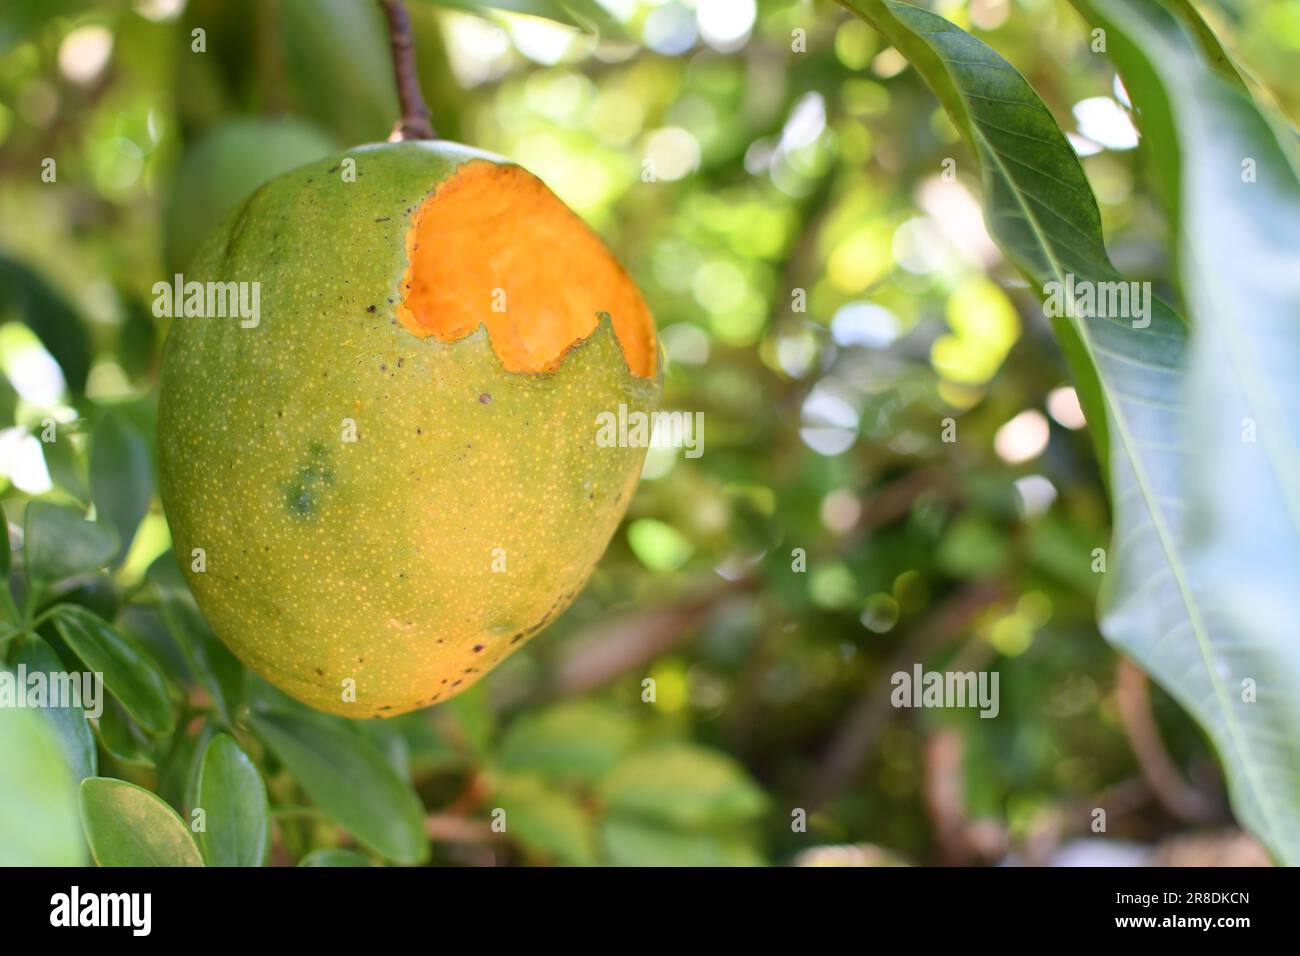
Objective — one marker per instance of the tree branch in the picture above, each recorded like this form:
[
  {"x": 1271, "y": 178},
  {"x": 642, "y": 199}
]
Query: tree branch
[
  {"x": 414, "y": 123},
  {"x": 1178, "y": 796}
]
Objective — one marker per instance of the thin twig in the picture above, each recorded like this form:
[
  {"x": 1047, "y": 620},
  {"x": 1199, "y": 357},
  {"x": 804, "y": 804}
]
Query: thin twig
[
  {"x": 452, "y": 829},
  {"x": 414, "y": 123},
  {"x": 617, "y": 646}
]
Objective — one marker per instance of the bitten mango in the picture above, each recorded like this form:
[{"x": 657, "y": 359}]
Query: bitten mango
[{"x": 388, "y": 478}]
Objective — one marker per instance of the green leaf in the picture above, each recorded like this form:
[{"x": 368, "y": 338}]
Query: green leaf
[
  {"x": 69, "y": 722},
  {"x": 339, "y": 64},
  {"x": 350, "y": 779},
  {"x": 333, "y": 856},
  {"x": 385, "y": 735},
  {"x": 233, "y": 799},
  {"x": 684, "y": 786},
  {"x": 121, "y": 476},
  {"x": 178, "y": 764},
  {"x": 127, "y": 825},
  {"x": 66, "y": 465},
  {"x": 137, "y": 343},
  {"x": 428, "y": 748},
  {"x": 544, "y": 819},
  {"x": 121, "y": 737},
  {"x": 631, "y": 842},
  {"x": 1239, "y": 244},
  {"x": 578, "y": 740},
  {"x": 58, "y": 326},
  {"x": 1211, "y": 48},
  {"x": 130, "y": 674},
  {"x": 38, "y": 803},
  {"x": 209, "y": 661},
  {"x": 8, "y": 402},
  {"x": 225, "y": 167},
  {"x": 554, "y": 11},
  {"x": 59, "y": 542},
  {"x": 1041, "y": 210},
  {"x": 475, "y": 721}
]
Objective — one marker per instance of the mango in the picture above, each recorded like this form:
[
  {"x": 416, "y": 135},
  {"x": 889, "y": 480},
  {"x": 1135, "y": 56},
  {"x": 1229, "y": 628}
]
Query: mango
[{"x": 390, "y": 478}]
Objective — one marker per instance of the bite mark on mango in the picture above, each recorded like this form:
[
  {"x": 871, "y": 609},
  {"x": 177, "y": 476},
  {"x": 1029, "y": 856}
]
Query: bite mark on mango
[{"x": 493, "y": 246}]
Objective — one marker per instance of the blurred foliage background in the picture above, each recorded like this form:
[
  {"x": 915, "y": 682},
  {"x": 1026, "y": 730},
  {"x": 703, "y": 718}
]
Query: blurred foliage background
[{"x": 812, "y": 247}]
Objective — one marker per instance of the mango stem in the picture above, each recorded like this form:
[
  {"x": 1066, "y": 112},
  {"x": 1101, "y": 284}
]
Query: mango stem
[{"x": 414, "y": 123}]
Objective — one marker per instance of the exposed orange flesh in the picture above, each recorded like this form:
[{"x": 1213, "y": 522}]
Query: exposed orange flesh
[{"x": 494, "y": 246}]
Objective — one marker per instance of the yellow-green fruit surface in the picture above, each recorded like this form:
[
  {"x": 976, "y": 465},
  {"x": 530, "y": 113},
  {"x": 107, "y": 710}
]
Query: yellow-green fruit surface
[{"x": 379, "y": 516}]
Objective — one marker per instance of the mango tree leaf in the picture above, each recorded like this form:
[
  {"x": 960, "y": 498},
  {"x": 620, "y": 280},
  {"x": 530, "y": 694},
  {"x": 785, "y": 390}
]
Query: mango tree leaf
[
  {"x": 96, "y": 591},
  {"x": 233, "y": 799},
  {"x": 576, "y": 740},
  {"x": 545, "y": 819},
  {"x": 339, "y": 64},
  {"x": 66, "y": 465},
  {"x": 684, "y": 786},
  {"x": 122, "y": 737},
  {"x": 1239, "y": 242},
  {"x": 1155, "y": 603},
  {"x": 1211, "y": 48},
  {"x": 59, "y": 542},
  {"x": 427, "y": 747},
  {"x": 553, "y": 10},
  {"x": 350, "y": 779},
  {"x": 474, "y": 719},
  {"x": 208, "y": 660},
  {"x": 225, "y": 167},
  {"x": 69, "y": 722},
  {"x": 391, "y": 743},
  {"x": 633, "y": 842},
  {"x": 127, "y": 825},
  {"x": 130, "y": 674},
  {"x": 178, "y": 763},
  {"x": 55, "y": 323},
  {"x": 121, "y": 476},
  {"x": 38, "y": 797},
  {"x": 137, "y": 342},
  {"x": 8, "y": 402},
  {"x": 333, "y": 856}
]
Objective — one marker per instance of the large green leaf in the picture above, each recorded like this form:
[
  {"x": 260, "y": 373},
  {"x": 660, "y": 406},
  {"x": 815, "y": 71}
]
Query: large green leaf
[
  {"x": 38, "y": 802},
  {"x": 1156, "y": 605},
  {"x": 127, "y": 825},
  {"x": 237, "y": 829},
  {"x": 350, "y": 779},
  {"x": 69, "y": 722},
  {"x": 1240, "y": 252},
  {"x": 59, "y": 542},
  {"x": 130, "y": 674}
]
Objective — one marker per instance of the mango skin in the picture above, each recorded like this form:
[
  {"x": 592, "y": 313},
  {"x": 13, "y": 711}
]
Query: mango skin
[{"x": 358, "y": 576}]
